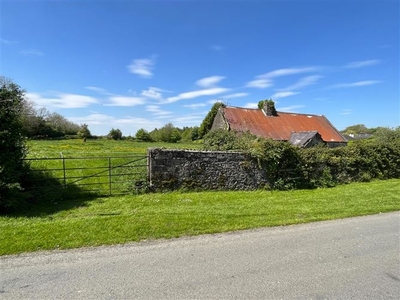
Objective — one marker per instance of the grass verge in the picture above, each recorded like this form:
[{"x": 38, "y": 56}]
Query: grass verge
[{"x": 113, "y": 220}]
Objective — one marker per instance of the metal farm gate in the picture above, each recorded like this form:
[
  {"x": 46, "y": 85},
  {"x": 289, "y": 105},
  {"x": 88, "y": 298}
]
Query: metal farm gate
[{"x": 111, "y": 175}]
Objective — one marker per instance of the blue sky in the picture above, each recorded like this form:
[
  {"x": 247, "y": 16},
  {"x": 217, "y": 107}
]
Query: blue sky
[{"x": 143, "y": 64}]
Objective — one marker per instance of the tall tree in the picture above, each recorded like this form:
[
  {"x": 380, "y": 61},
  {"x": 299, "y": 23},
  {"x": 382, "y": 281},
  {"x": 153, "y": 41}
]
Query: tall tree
[
  {"x": 84, "y": 132},
  {"x": 115, "y": 134}
]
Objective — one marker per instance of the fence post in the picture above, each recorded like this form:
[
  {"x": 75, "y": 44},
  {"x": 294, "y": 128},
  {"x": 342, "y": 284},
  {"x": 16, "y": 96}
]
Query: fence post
[
  {"x": 109, "y": 175},
  {"x": 64, "y": 174}
]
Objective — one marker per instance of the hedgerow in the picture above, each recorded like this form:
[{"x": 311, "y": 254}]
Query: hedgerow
[{"x": 291, "y": 167}]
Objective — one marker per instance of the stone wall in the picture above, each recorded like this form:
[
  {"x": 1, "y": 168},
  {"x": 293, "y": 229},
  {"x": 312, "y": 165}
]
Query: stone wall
[{"x": 203, "y": 170}]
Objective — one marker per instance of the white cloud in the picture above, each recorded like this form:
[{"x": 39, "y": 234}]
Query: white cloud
[
  {"x": 265, "y": 80},
  {"x": 292, "y": 108},
  {"x": 142, "y": 67},
  {"x": 346, "y": 112},
  {"x": 32, "y": 52},
  {"x": 96, "y": 89},
  {"x": 288, "y": 71},
  {"x": 260, "y": 83},
  {"x": 303, "y": 82},
  {"x": 251, "y": 105},
  {"x": 283, "y": 94},
  {"x": 195, "y": 105},
  {"x": 236, "y": 95},
  {"x": 356, "y": 84},
  {"x": 62, "y": 100},
  {"x": 100, "y": 124},
  {"x": 157, "y": 111},
  {"x": 198, "y": 93},
  {"x": 209, "y": 81},
  {"x": 125, "y": 101},
  {"x": 7, "y": 42},
  {"x": 153, "y": 93},
  {"x": 363, "y": 63},
  {"x": 189, "y": 120}
]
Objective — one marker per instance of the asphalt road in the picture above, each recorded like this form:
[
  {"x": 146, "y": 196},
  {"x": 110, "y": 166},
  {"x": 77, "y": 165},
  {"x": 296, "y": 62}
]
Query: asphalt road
[{"x": 356, "y": 258}]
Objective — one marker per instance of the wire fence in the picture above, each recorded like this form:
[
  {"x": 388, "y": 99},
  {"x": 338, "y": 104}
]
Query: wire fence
[{"x": 111, "y": 175}]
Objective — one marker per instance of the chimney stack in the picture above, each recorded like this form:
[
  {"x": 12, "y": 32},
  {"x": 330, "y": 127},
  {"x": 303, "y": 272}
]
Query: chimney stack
[{"x": 269, "y": 108}]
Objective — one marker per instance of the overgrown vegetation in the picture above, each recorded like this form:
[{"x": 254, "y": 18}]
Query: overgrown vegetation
[
  {"x": 12, "y": 145},
  {"x": 291, "y": 167},
  {"x": 112, "y": 220},
  {"x": 208, "y": 121}
]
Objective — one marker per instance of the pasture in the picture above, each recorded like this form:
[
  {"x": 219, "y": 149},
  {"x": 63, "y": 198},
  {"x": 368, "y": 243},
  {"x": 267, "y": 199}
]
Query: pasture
[
  {"x": 101, "y": 147},
  {"x": 106, "y": 167}
]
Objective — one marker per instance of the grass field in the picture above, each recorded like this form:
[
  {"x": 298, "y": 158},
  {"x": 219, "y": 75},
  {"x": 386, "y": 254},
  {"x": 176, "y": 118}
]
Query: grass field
[
  {"x": 108, "y": 167},
  {"x": 112, "y": 220},
  {"x": 77, "y": 148}
]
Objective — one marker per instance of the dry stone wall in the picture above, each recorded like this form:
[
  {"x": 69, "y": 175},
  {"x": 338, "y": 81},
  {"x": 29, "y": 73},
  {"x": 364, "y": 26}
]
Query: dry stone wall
[{"x": 203, "y": 170}]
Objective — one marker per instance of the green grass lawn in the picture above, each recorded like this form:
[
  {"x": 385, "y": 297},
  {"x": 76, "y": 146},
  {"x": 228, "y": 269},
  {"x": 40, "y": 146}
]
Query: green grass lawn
[{"x": 112, "y": 220}]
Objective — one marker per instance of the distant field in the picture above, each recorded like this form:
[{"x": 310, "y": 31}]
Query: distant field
[{"x": 77, "y": 148}]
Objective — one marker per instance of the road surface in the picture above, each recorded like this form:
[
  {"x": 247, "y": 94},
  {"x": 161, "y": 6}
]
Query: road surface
[{"x": 355, "y": 258}]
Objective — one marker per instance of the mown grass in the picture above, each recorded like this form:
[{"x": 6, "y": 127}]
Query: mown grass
[{"x": 112, "y": 220}]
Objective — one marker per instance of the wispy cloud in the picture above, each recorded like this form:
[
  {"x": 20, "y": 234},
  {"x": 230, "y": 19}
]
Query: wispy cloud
[
  {"x": 198, "y": 93},
  {"x": 153, "y": 93},
  {"x": 265, "y": 80},
  {"x": 195, "y": 105},
  {"x": 303, "y": 82},
  {"x": 157, "y": 111},
  {"x": 209, "y": 81},
  {"x": 236, "y": 95},
  {"x": 283, "y": 94},
  {"x": 96, "y": 89},
  {"x": 109, "y": 121},
  {"x": 260, "y": 83},
  {"x": 363, "y": 63},
  {"x": 125, "y": 101},
  {"x": 142, "y": 67},
  {"x": 355, "y": 84},
  {"x": 291, "y": 108},
  {"x": 7, "y": 42},
  {"x": 62, "y": 100},
  {"x": 251, "y": 105},
  {"x": 32, "y": 52},
  {"x": 288, "y": 71},
  {"x": 346, "y": 112}
]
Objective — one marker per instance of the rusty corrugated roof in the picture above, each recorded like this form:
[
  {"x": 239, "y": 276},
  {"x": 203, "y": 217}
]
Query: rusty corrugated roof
[{"x": 281, "y": 126}]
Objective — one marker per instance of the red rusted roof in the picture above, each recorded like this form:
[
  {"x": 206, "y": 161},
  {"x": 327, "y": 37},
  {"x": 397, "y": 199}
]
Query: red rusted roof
[{"x": 281, "y": 126}]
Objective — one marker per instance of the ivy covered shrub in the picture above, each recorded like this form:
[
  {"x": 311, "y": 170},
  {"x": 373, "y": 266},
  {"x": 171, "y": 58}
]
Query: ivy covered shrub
[{"x": 291, "y": 167}]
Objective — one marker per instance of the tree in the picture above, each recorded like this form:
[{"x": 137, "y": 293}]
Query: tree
[
  {"x": 115, "y": 134},
  {"x": 143, "y": 135},
  {"x": 208, "y": 121},
  {"x": 12, "y": 144},
  {"x": 84, "y": 132}
]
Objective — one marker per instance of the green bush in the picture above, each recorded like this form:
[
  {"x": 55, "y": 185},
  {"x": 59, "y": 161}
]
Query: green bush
[{"x": 290, "y": 167}]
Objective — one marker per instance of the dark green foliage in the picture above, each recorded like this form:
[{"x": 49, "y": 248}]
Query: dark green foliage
[
  {"x": 84, "y": 132},
  {"x": 289, "y": 167},
  {"x": 167, "y": 133},
  {"x": 115, "y": 134},
  {"x": 143, "y": 136},
  {"x": 208, "y": 121},
  {"x": 12, "y": 145}
]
